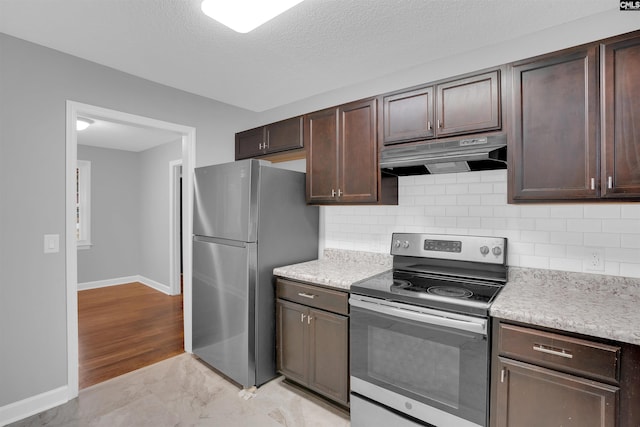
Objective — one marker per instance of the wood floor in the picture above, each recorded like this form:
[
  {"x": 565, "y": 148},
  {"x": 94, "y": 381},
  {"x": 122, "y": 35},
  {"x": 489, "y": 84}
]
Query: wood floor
[{"x": 123, "y": 328}]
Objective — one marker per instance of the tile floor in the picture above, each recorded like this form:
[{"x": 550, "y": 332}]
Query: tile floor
[{"x": 181, "y": 391}]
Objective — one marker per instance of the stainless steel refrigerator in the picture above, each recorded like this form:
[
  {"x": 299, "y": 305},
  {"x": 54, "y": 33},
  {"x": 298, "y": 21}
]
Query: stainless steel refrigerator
[{"x": 249, "y": 217}]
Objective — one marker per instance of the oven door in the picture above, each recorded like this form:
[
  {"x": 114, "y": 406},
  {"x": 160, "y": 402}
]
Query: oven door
[{"x": 429, "y": 364}]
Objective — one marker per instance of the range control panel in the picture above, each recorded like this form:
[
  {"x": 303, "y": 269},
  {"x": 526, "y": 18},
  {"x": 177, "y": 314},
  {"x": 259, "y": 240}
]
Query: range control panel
[{"x": 463, "y": 248}]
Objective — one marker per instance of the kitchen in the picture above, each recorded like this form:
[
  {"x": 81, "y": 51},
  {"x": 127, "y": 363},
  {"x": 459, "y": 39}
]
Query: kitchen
[{"x": 548, "y": 236}]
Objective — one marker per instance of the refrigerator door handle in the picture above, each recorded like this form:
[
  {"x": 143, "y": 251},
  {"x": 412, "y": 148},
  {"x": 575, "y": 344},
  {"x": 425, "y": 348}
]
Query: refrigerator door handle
[{"x": 220, "y": 241}]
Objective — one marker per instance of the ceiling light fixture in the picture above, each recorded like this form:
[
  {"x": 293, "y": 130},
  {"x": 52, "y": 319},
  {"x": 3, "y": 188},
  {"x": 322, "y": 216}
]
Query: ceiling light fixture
[
  {"x": 245, "y": 15},
  {"x": 82, "y": 123}
]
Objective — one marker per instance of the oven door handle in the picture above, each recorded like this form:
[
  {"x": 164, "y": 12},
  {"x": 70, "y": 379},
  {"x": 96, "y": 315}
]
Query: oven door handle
[{"x": 468, "y": 324}]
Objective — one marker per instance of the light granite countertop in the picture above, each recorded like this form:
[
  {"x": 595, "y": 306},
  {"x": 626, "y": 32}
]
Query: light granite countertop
[
  {"x": 595, "y": 305},
  {"x": 338, "y": 268}
]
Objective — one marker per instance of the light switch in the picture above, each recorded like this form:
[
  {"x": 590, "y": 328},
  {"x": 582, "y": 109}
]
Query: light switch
[{"x": 51, "y": 243}]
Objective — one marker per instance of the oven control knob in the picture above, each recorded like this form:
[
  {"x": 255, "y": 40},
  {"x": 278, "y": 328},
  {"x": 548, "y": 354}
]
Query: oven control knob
[
  {"x": 396, "y": 244},
  {"x": 484, "y": 250},
  {"x": 496, "y": 250},
  {"x": 405, "y": 244}
]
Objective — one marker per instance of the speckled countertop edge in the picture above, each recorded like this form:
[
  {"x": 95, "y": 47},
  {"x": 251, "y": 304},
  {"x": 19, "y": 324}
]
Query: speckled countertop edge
[
  {"x": 338, "y": 268},
  {"x": 590, "y": 304}
]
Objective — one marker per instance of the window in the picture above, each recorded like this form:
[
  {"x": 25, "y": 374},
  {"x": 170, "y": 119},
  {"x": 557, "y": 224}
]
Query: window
[{"x": 83, "y": 204}]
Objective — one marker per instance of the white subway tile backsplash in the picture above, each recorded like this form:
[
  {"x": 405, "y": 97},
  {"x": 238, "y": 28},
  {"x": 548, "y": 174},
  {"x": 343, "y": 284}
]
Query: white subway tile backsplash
[
  {"x": 551, "y": 251},
  {"x": 584, "y": 225},
  {"x": 608, "y": 240},
  {"x": 567, "y": 238},
  {"x": 540, "y": 236},
  {"x": 631, "y": 241},
  {"x": 535, "y": 236},
  {"x": 567, "y": 212},
  {"x": 621, "y": 225},
  {"x": 534, "y": 261},
  {"x": 631, "y": 211},
  {"x": 602, "y": 211}
]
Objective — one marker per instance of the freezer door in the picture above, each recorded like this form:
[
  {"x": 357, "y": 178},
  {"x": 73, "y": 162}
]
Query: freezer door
[
  {"x": 225, "y": 201},
  {"x": 223, "y": 301}
]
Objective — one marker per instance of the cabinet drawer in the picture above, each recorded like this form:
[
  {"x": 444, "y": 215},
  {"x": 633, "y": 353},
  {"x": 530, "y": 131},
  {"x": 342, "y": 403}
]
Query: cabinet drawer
[
  {"x": 313, "y": 296},
  {"x": 574, "y": 355}
]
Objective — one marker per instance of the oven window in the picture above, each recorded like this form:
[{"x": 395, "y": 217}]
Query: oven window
[{"x": 423, "y": 367}]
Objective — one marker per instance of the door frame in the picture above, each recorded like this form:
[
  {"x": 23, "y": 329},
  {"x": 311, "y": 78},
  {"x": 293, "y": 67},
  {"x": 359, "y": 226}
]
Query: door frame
[
  {"x": 175, "y": 172},
  {"x": 73, "y": 110}
]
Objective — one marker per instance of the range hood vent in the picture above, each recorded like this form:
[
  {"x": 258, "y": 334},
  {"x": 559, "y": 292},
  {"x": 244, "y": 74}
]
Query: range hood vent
[{"x": 471, "y": 154}]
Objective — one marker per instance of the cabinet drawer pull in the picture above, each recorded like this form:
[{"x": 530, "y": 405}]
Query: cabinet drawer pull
[
  {"x": 593, "y": 183},
  {"x": 610, "y": 182},
  {"x": 551, "y": 350},
  {"x": 439, "y": 124},
  {"x": 309, "y": 318},
  {"x": 428, "y": 125},
  {"x": 306, "y": 295},
  {"x": 302, "y": 315},
  {"x": 333, "y": 193}
]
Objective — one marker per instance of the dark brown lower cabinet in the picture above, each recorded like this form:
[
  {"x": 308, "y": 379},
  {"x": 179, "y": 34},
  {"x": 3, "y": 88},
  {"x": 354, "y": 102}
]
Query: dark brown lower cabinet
[
  {"x": 547, "y": 378},
  {"x": 313, "y": 343},
  {"x": 532, "y": 396}
]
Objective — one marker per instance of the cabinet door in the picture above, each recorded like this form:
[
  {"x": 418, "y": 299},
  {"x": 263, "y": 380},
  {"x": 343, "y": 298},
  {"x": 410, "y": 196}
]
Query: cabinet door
[
  {"x": 469, "y": 105},
  {"x": 358, "y": 169},
  {"x": 530, "y": 396},
  {"x": 553, "y": 151},
  {"x": 321, "y": 139},
  {"x": 291, "y": 336},
  {"x": 408, "y": 116},
  {"x": 329, "y": 354},
  {"x": 284, "y": 135},
  {"x": 250, "y": 143},
  {"x": 621, "y": 119}
]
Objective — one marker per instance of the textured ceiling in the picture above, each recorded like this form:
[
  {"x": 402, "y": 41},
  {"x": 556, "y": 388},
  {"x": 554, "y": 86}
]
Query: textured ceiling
[
  {"x": 318, "y": 46},
  {"x": 124, "y": 136}
]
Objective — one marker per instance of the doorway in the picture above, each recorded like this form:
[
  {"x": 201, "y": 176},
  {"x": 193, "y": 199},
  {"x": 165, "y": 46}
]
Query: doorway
[{"x": 182, "y": 213}]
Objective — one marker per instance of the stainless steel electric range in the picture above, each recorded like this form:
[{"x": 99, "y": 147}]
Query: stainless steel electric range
[{"x": 420, "y": 333}]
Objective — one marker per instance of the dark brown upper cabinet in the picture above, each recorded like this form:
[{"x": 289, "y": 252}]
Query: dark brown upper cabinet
[
  {"x": 553, "y": 151},
  {"x": 273, "y": 138},
  {"x": 466, "y": 105},
  {"x": 575, "y": 133},
  {"x": 620, "y": 87},
  {"x": 342, "y": 156}
]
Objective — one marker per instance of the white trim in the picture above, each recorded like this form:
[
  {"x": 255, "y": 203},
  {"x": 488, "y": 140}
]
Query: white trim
[
  {"x": 155, "y": 285},
  {"x": 123, "y": 281},
  {"x": 108, "y": 282},
  {"x": 84, "y": 200},
  {"x": 174, "y": 227},
  {"x": 74, "y": 109},
  {"x": 35, "y": 404}
]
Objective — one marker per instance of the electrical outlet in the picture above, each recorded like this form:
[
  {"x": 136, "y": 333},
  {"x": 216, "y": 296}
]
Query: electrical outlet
[{"x": 594, "y": 259}]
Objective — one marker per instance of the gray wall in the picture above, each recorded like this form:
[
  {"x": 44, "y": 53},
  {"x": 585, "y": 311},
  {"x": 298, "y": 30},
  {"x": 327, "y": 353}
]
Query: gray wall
[
  {"x": 115, "y": 215},
  {"x": 129, "y": 213},
  {"x": 154, "y": 210},
  {"x": 35, "y": 83}
]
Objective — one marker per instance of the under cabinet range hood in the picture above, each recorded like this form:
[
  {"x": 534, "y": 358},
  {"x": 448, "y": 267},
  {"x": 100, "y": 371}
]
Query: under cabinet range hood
[{"x": 463, "y": 155}]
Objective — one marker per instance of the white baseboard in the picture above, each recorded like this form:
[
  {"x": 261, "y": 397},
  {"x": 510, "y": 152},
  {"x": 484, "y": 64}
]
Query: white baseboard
[
  {"x": 33, "y": 405},
  {"x": 165, "y": 289}
]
